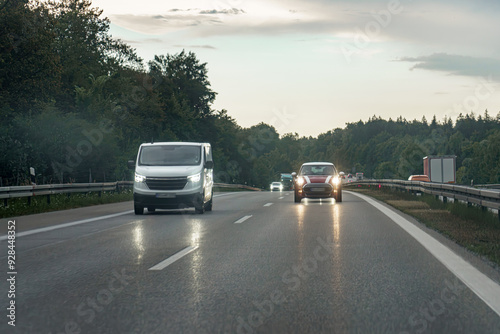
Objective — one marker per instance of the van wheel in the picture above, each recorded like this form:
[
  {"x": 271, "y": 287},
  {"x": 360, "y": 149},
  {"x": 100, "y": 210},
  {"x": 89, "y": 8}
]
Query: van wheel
[
  {"x": 139, "y": 210},
  {"x": 199, "y": 206},
  {"x": 200, "y": 209},
  {"x": 208, "y": 205}
]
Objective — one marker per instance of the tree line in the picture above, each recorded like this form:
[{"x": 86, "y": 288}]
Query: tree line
[{"x": 75, "y": 104}]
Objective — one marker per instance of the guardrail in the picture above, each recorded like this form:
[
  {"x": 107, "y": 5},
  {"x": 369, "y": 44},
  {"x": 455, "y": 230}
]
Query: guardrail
[
  {"x": 7, "y": 193},
  {"x": 492, "y": 186},
  {"x": 53, "y": 189},
  {"x": 237, "y": 186},
  {"x": 482, "y": 197}
]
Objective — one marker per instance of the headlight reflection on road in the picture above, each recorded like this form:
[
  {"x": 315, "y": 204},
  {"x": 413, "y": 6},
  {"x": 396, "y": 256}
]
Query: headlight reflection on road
[
  {"x": 196, "y": 261},
  {"x": 336, "y": 224},
  {"x": 139, "y": 241},
  {"x": 195, "y": 232},
  {"x": 300, "y": 229}
]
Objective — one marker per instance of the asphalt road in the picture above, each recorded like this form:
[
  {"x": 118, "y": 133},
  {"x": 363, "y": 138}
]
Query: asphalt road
[{"x": 258, "y": 263}]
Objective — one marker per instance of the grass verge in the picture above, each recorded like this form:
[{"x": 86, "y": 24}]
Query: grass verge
[
  {"x": 20, "y": 207},
  {"x": 471, "y": 227}
]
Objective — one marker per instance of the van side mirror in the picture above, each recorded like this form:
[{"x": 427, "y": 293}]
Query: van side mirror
[
  {"x": 209, "y": 165},
  {"x": 131, "y": 164}
]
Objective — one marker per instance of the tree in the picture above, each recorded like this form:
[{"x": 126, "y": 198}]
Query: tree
[
  {"x": 85, "y": 47},
  {"x": 183, "y": 76},
  {"x": 29, "y": 70}
]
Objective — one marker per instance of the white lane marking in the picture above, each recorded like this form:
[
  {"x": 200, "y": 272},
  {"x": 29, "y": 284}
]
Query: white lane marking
[
  {"x": 241, "y": 220},
  {"x": 281, "y": 197},
  {"x": 56, "y": 227},
  {"x": 484, "y": 287},
  {"x": 268, "y": 204},
  {"x": 165, "y": 263}
]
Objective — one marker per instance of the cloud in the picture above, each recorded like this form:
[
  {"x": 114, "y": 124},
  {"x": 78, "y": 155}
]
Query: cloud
[
  {"x": 454, "y": 27},
  {"x": 457, "y": 65},
  {"x": 174, "y": 20},
  {"x": 196, "y": 46},
  {"x": 232, "y": 11},
  {"x": 144, "y": 41},
  {"x": 161, "y": 24}
]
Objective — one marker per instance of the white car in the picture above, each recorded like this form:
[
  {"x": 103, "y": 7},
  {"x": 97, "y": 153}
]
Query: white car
[
  {"x": 173, "y": 175},
  {"x": 276, "y": 186}
]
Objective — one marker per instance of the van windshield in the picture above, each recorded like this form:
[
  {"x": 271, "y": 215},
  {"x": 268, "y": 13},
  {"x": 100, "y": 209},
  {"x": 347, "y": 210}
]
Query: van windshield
[{"x": 170, "y": 155}]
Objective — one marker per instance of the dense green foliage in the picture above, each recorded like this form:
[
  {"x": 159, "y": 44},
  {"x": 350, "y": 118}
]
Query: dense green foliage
[{"x": 75, "y": 104}]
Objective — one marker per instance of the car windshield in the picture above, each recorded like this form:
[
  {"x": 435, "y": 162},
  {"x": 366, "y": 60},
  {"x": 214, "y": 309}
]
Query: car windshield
[
  {"x": 170, "y": 155},
  {"x": 317, "y": 170}
]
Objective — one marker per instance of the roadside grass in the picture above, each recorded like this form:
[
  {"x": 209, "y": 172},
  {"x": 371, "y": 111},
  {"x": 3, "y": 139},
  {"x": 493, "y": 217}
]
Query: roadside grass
[
  {"x": 20, "y": 206},
  {"x": 471, "y": 227}
]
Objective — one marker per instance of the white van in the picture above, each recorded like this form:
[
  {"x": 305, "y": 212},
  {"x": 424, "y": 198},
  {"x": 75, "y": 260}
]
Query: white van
[{"x": 173, "y": 175}]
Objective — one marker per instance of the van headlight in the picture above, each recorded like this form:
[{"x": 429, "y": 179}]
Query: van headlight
[
  {"x": 195, "y": 178},
  {"x": 140, "y": 178}
]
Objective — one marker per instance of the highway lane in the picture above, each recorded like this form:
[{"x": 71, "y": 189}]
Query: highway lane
[{"x": 313, "y": 267}]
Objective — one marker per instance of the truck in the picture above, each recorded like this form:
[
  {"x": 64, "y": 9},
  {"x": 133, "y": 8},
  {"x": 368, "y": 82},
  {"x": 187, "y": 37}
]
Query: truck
[
  {"x": 440, "y": 169},
  {"x": 287, "y": 181}
]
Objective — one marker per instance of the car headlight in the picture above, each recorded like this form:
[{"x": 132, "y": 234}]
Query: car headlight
[
  {"x": 300, "y": 181},
  {"x": 195, "y": 178},
  {"x": 140, "y": 178},
  {"x": 335, "y": 180}
]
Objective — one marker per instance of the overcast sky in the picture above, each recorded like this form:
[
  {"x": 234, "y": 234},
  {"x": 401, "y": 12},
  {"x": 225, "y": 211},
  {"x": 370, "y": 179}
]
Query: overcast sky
[{"x": 312, "y": 66}]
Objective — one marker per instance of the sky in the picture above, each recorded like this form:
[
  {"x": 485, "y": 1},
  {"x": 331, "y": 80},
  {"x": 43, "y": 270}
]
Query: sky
[{"x": 310, "y": 66}]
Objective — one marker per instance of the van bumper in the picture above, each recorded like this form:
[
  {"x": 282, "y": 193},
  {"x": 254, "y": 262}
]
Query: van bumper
[{"x": 177, "y": 202}]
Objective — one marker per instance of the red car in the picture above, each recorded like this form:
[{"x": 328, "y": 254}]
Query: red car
[{"x": 317, "y": 180}]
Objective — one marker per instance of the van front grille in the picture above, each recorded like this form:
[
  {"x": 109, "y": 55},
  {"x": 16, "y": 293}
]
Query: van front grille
[{"x": 166, "y": 183}]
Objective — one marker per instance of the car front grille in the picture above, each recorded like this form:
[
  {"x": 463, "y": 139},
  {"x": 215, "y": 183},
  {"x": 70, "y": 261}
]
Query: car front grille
[
  {"x": 166, "y": 183},
  {"x": 317, "y": 189}
]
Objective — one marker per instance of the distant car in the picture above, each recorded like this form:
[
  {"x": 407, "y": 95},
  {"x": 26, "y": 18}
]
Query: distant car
[
  {"x": 276, "y": 186},
  {"x": 423, "y": 178},
  {"x": 317, "y": 180}
]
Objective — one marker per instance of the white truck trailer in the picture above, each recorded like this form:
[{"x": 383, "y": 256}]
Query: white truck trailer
[{"x": 441, "y": 169}]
